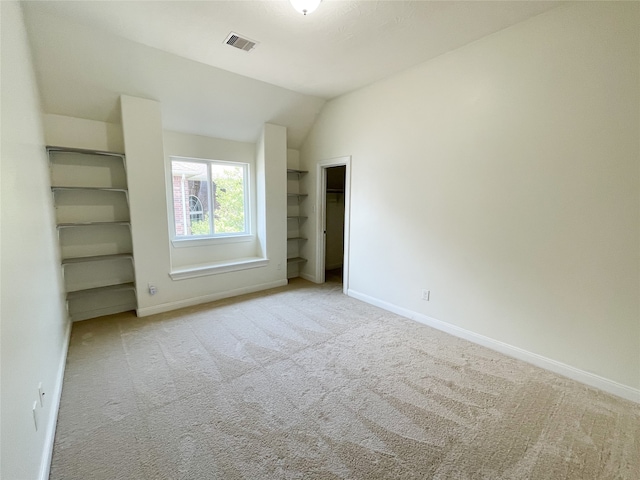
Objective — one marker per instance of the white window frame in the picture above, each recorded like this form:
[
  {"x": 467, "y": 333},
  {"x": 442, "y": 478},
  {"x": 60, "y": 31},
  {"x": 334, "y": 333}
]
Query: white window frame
[{"x": 213, "y": 238}]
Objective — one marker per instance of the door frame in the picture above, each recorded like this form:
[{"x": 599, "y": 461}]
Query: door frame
[{"x": 321, "y": 217}]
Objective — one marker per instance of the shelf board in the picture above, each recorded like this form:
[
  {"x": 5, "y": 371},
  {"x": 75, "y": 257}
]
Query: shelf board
[
  {"x": 298, "y": 195},
  {"x": 109, "y": 288},
  {"x": 106, "y": 189},
  {"x": 293, "y": 260},
  {"x": 101, "y": 311},
  {"x": 54, "y": 149},
  {"x": 95, "y": 258},
  {"x": 91, "y": 224},
  {"x": 297, "y": 172},
  {"x": 296, "y": 238}
]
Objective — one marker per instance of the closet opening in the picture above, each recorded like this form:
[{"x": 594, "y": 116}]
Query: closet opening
[{"x": 334, "y": 201}]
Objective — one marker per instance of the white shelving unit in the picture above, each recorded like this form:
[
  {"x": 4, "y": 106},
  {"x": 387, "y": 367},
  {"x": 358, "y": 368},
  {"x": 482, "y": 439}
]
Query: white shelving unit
[
  {"x": 294, "y": 220},
  {"x": 92, "y": 213}
]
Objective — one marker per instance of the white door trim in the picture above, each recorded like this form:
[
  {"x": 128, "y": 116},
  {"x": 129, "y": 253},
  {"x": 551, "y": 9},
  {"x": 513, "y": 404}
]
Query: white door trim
[{"x": 321, "y": 176}]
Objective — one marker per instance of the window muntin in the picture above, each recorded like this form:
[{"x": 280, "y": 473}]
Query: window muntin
[
  {"x": 196, "y": 210},
  {"x": 210, "y": 198}
]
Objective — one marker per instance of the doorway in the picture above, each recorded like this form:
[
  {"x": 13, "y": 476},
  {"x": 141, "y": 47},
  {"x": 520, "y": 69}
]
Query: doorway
[{"x": 333, "y": 225}]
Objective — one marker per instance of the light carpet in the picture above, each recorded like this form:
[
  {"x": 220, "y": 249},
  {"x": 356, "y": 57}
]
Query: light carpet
[{"x": 304, "y": 382}]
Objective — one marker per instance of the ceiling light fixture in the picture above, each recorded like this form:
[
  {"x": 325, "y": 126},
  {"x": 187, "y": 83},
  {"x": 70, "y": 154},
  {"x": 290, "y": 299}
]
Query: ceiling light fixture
[{"x": 305, "y": 6}]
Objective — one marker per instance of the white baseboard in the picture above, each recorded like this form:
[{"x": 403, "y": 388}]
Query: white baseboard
[
  {"x": 306, "y": 276},
  {"x": 50, "y": 434},
  {"x": 560, "y": 368},
  {"x": 189, "y": 302}
]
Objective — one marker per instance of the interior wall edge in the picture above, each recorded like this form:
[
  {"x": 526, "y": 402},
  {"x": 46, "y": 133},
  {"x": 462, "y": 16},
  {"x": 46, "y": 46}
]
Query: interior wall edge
[
  {"x": 308, "y": 277},
  {"x": 582, "y": 376},
  {"x": 47, "y": 453}
]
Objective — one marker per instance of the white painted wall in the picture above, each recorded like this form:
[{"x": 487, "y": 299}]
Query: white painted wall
[
  {"x": 271, "y": 163},
  {"x": 71, "y": 132},
  {"x": 293, "y": 158},
  {"x": 504, "y": 178},
  {"x": 34, "y": 325},
  {"x": 143, "y": 140}
]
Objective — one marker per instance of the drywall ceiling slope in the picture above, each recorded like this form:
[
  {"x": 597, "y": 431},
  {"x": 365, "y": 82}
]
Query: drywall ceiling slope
[
  {"x": 342, "y": 46},
  {"x": 88, "y": 53},
  {"x": 83, "y": 70}
]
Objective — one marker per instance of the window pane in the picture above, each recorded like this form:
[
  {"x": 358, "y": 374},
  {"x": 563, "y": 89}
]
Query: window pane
[
  {"x": 190, "y": 198},
  {"x": 228, "y": 195}
]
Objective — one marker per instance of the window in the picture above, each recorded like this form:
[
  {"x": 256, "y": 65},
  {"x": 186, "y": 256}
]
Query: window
[
  {"x": 196, "y": 209},
  {"x": 209, "y": 198}
]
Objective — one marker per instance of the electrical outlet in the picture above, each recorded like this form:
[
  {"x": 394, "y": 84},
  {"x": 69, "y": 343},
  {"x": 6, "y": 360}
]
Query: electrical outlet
[
  {"x": 41, "y": 395},
  {"x": 426, "y": 294},
  {"x": 152, "y": 289}
]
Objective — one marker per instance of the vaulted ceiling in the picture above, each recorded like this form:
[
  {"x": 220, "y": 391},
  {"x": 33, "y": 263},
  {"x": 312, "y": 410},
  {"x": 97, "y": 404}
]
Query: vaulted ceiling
[{"x": 87, "y": 53}]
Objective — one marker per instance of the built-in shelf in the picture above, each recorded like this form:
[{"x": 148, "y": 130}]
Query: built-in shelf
[
  {"x": 90, "y": 191},
  {"x": 105, "y": 189},
  {"x": 91, "y": 224},
  {"x": 96, "y": 258},
  {"x": 293, "y": 260},
  {"x": 98, "y": 290},
  {"x": 295, "y": 221},
  {"x": 94, "y": 153}
]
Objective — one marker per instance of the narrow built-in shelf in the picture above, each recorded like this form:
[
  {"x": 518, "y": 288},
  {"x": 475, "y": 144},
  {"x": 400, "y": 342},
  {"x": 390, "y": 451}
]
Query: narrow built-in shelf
[
  {"x": 98, "y": 283},
  {"x": 91, "y": 224},
  {"x": 296, "y": 260},
  {"x": 107, "y": 189},
  {"x": 109, "y": 288},
  {"x": 53, "y": 148},
  {"x": 295, "y": 238},
  {"x": 96, "y": 258}
]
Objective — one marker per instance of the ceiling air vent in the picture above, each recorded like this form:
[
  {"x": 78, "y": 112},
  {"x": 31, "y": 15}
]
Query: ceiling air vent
[{"x": 237, "y": 41}]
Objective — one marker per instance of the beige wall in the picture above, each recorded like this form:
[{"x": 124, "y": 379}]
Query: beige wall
[
  {"x": 504, "y": 178},
  {"x": 34, "y": 325},
  {"x": 70, "y": 132}
]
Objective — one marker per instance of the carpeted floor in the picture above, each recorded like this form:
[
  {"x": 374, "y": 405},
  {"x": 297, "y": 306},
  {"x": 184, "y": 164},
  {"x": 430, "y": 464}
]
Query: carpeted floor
[{"x": 303, "y": 382}]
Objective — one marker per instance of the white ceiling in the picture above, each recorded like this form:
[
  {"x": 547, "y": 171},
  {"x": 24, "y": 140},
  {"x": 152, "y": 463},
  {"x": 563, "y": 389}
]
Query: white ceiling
[{"x": 87, "y": 53}]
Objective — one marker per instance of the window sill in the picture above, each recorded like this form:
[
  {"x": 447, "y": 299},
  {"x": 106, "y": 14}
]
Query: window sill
[
  {"x": 205, "y": 241},
  {"x": 194, "y": 271}
]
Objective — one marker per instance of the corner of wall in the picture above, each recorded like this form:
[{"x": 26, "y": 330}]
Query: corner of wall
[{"x": 35, "y": 325}]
